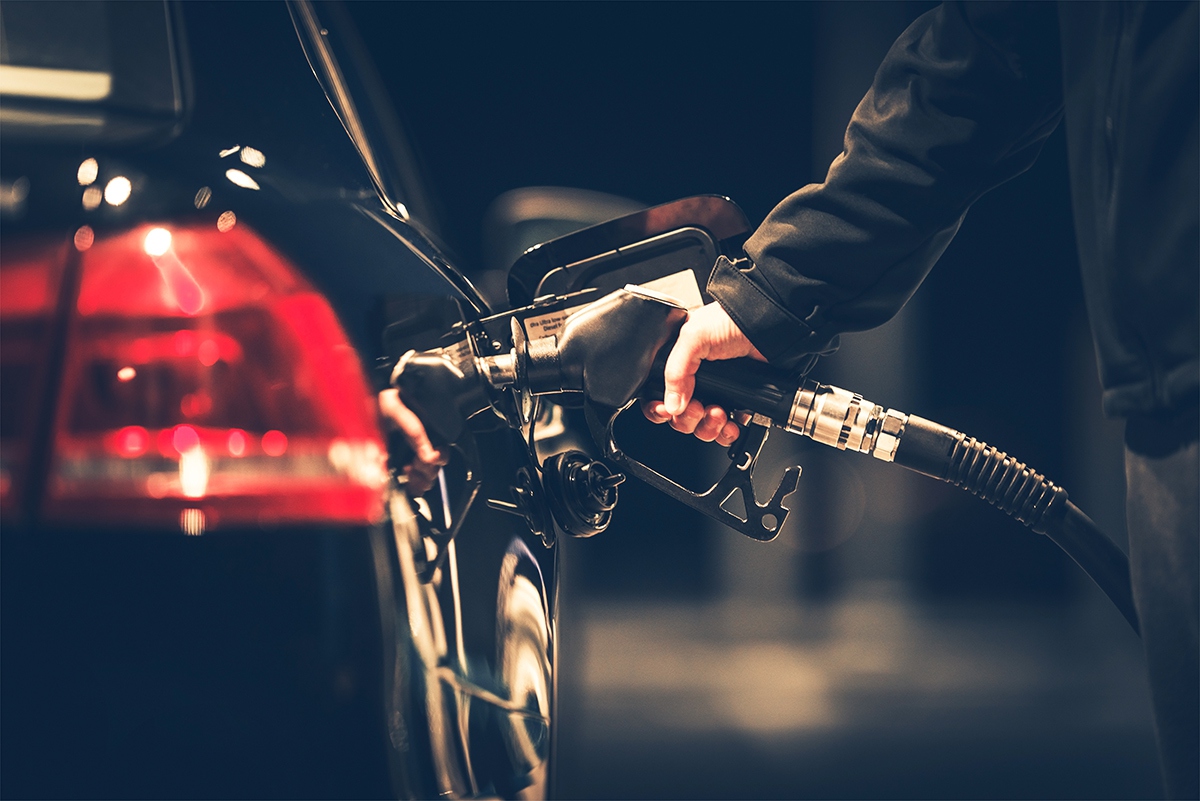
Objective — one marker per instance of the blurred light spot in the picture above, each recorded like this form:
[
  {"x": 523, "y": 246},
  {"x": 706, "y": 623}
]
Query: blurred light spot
[
  {"x": 179, "y": 287},
  {"x": 132, "y": 441},
  {"x": 253, "y": 157},
  {"x": 164, "y": 442},
  {"x": 158, "y": 242},
  {"x": 203, "y": 195},
  {"x": 20, "y": 188},
  {"x": 340, "y": 454},
  {"x": 193, "y": 473},
  {"x": 229, "y": 151},
  {"x": 126, "y": 374},
  {"x": 118, "y": 190},
  {"x": 184, "y": 439},
  {"x": 226, "y": 221},
  {"x": 50, "y": 83},
  {"x": 158, "y": 485},
  {"x": 185, "y": 342},
  {"x": 87, "y": 172},
  {"x": 92, "y": 197},
  {"x": 363, "y": 462},
  {"x": 239, "y": 178},
  {"x": 237, "y": 442},
  {"x": 208, "y": 352},
  {"x": 274, "y": 443},
  {"x": 191, "y": 522},
  {"x": 84, "y": 237},
  {"x": 12, "y": 195},
  {"x": 196, "y": 404}
]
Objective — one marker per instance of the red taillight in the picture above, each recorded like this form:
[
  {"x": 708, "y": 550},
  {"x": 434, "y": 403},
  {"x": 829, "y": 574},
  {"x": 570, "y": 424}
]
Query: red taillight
[
  {"x": 30, "y": 280},
  {"x": 206, "y": 384}
]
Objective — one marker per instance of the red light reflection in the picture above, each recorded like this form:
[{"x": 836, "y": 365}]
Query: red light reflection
[
  {"x": 230, "y": 347},
  {"x": 185, "y": 342},
  {"x": 196, "y": 404},
  {"x": 27, "y": 285},
  {"x": 131, "y": 441},
  {"x": 274, "y": 443},
  {"x": 208, "y": 352},
  {"x": 237, "y": 442},
  {"x": 184, "y": 438},
  {"x": 179, "y": 285}
]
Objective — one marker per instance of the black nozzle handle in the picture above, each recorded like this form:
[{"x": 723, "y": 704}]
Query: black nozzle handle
[
  {"x": 748, "y": 385},
  {"x": 441, "y": 391},
  {"x": 744, "y": 385}
]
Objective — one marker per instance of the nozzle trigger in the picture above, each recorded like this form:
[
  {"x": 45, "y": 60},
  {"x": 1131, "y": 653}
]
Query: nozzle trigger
[{"x": 763, "y": 521}]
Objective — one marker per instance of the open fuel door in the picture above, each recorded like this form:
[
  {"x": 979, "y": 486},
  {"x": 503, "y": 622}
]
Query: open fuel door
[
  {"x": 639, "y": 248},
  {"x": 668, "y": 249}
]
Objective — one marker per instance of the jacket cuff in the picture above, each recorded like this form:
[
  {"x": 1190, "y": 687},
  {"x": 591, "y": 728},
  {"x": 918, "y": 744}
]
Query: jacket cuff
[{"x": 783, "y": 338}]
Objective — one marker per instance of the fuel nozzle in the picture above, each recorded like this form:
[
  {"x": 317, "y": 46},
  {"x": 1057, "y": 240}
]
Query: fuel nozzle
[{"x": 605, "y": 351}]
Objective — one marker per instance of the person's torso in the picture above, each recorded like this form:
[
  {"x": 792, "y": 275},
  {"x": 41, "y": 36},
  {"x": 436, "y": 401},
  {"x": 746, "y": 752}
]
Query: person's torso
[{"x": 1131, "y": 75}]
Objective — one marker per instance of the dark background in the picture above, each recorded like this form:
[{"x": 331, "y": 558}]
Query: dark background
[{"x": 655, "y": 101}]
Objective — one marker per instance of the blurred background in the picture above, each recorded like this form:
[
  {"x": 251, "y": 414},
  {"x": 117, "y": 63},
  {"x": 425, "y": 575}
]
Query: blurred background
[{"x": 900, "y": 639}]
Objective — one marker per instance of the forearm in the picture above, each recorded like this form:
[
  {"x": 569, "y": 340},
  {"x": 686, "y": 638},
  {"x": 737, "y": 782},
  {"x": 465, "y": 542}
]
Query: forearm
[{"x": 963, "y": 102}]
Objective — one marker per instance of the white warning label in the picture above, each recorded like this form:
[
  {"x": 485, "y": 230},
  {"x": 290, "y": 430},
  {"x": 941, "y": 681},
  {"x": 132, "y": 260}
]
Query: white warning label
[{"x": 680, "y": 286}]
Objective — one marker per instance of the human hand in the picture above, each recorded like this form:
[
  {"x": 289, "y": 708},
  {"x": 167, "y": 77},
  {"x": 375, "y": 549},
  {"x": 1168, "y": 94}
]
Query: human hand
[
  {"x": 423, "y": 469},
  {"x": 709, "y": 333}
]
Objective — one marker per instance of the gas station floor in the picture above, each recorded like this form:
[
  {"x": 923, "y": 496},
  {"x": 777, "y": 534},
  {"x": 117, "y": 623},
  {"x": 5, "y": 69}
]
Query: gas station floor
[{"x": 873, "y": 696}]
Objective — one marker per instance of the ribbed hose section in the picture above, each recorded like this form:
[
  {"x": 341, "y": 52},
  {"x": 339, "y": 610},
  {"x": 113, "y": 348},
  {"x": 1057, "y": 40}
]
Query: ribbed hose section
[
  {"x": 1004, "y": 482},
  {"x": 941, "y": 452}
]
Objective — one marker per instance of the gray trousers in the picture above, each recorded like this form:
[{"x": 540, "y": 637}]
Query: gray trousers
[{"x": 1162, "y": 481}]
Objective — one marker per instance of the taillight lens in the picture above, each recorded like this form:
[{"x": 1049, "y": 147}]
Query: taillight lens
[
  {"x": 206, "y": 384},
  {"x": 29, "y": 287}
]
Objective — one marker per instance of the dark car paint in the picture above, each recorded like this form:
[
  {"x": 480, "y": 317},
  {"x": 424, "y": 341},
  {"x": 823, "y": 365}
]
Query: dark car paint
[{"x": 139, "y": 663}]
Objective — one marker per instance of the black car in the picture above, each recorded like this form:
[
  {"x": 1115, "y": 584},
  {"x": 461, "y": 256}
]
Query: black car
[
  {"x": 215, "y": 246},
  {"x": 205, "y": 218}
]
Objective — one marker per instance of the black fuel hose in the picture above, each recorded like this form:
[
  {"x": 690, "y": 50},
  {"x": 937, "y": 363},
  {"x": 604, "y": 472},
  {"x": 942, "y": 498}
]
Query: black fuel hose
[
  {"x": 940, "y": 452},
  {"x": 846, "y": 421}
]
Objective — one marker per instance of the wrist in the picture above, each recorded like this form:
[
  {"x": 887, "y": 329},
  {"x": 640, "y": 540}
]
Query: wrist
[{"x": 781, "y": 337}]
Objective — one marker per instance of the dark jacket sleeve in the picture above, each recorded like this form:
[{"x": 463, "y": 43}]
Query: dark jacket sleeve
[{"x": 963, "y": 101}]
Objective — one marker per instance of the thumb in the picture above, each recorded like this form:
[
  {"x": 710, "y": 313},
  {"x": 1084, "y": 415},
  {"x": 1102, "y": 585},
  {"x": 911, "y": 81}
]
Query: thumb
[{"x": 679, "y": 375}]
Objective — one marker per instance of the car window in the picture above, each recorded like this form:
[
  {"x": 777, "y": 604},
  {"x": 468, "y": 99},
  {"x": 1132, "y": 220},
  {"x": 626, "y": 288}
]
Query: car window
[
  {"x": 89, "y": 70},
  {"x": 62, "y": 54}
]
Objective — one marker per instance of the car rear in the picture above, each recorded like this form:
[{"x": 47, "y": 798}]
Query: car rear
[{"x": 191, "y": 467}]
